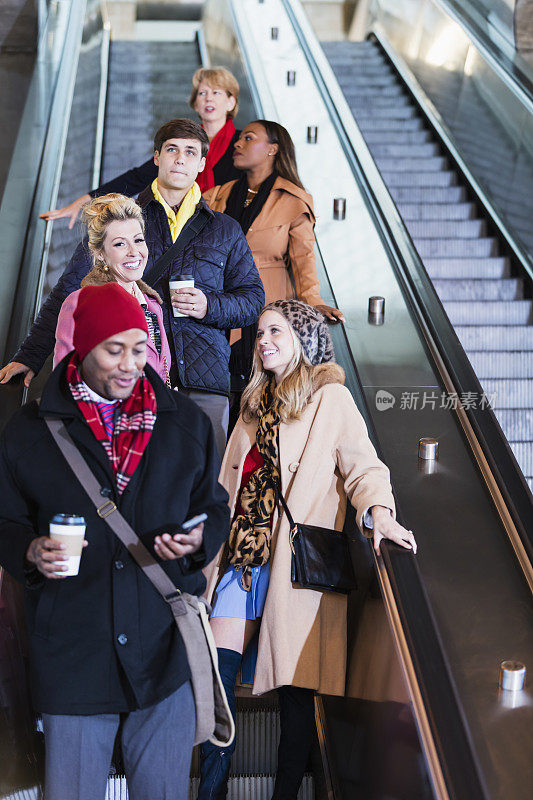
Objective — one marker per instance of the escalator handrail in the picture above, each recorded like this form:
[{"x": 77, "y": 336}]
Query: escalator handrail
[
  {"x": 491, "y": 53},
  {"x": 424, "y": 301},
  {"x": 36, "y": 235}
]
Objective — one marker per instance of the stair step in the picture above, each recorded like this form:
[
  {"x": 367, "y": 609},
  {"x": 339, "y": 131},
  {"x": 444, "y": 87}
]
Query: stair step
[
  {"x": 501, "y": 364},
  {"x": 386, "y": 79},
  {"x": 516, "y": 423},
  {"x": 398, "y": 138},
  {"x": 479, "y": 312},
  {"x": 431, "y": 164},
  {"x": 430, "y": 180},
  {"x": 523, "y": 452},
  {"x": 240, "y": 787},
  {"x": 495, "y": 337},
  {"x": 427, "y": 195},
  {"x": 457, "y": 247},
  {"x": 377, "y": 124},
  {"x": 471, "y": 268},
  {"x": 256, "y": 787},
  {"x": 447, "y": 229},
  {"x": 403, "y": 112},
  {"x": 409, "y": 151},
  {"x": 509, "y": 393},
  {"x": 367, "y": 91},
  {"x": 479, "y": 289},
  {"x": 437, "y": 211}
]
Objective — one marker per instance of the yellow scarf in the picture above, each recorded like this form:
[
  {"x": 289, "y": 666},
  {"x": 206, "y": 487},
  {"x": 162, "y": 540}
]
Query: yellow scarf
[{"x": 187, "y": 208}]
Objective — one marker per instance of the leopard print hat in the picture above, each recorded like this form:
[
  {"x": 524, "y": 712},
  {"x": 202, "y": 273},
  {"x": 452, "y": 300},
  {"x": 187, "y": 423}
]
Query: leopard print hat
[{"x": 310, "y": 326}]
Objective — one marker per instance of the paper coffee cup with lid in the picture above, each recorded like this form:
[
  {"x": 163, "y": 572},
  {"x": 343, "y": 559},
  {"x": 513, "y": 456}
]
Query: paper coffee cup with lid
[
  {"x": 69, "y": 529},
  {"x": 179, "y": 282}
]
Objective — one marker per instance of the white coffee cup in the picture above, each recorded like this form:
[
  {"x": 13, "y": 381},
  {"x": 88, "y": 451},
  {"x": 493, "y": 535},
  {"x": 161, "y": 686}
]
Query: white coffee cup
[
  {"x": 179, "y": 283},
  {"x": 69, "y": 529}
]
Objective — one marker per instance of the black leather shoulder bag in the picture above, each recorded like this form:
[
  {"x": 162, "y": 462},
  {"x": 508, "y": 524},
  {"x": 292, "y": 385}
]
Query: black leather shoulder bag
[{"x": 320, "y": 556}]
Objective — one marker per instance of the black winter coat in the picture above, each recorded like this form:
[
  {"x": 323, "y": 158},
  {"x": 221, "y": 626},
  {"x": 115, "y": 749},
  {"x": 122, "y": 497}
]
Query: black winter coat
[
  {"x": 104, "y": 641},
  {"x": 223, "y": 267},
  {"x": 134, "y": 180}
]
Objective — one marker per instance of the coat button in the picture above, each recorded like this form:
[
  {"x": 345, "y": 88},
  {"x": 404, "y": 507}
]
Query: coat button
[
  {"x": 119, "y": 564},
  {"x": 122, "y": 638},
  {"x": 181, "y": 361},
  {"x": 294, "y": 466},
  {"x": 235, "y": 466}
]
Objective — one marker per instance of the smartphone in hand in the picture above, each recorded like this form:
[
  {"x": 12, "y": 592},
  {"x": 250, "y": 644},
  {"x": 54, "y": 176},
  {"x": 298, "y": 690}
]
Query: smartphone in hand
[{"x": 189, "y": 524}]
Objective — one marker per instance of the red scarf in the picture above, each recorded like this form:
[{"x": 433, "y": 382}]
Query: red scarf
[
  {"x": 217, "y": 148},
  {"x": 134, "y": 422}
]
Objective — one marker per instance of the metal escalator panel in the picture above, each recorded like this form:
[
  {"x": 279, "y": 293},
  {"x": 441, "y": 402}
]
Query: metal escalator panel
[{"x": 469, "y": 268}]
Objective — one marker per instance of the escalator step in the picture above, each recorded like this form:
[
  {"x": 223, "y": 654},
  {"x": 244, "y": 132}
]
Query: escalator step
[
  {"x": 400, "y": 138},
  {"x": 431, "y": 164},
  {"x": 477, "y": 312},
  {"x": 410, "y": 194},
  {"x": 373, "y": 123},
  {"x": 489, "y": 268},
  {"x": 408, "y": 150},
  {"x": 431, "y": 180},
  {"x": 242, "y": 787},
  {"x": 479, "y": 289},
  {"x": 437, "y": 211},
  {"x": 516, "y": 423},
  {"x": 492, "y": 337},
  {"x": 457, "y": 247},
  {"x": 501, "y": 364},
  {"x": 446, "y": 229},
  {"x": 510, "y": 394}
]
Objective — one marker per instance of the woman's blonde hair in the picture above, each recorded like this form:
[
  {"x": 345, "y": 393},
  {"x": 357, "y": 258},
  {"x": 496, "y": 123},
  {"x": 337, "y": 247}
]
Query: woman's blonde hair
[
  {"x": 293, "y": 392},
  {"x": 97, "y": 215},
  {"x": 216, "y": 78},
  {"x": 100, "y": 211}
]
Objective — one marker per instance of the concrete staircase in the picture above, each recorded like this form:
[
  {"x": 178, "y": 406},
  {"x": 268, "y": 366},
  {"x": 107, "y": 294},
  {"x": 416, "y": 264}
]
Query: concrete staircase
[{"x": 489, "y": 307}]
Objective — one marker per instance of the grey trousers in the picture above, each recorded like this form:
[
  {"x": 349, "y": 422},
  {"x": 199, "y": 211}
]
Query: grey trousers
[
  {"x": 216, "y": 406},
  {"x": 157, "y": 747}
]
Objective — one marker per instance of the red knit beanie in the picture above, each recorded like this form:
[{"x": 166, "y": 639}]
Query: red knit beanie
[{"x": 103, "y": 311}]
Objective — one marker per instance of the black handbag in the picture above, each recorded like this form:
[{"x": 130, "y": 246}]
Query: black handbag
[{"x": 320, "y": 557}]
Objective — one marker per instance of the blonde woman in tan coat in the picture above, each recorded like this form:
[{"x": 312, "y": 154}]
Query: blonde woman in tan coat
[{"x": 300, "y": 429}]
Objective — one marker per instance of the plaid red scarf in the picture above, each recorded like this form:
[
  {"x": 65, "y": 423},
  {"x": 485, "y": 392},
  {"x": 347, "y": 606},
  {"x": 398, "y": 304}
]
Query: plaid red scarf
[{"x": 134, "y": 422}]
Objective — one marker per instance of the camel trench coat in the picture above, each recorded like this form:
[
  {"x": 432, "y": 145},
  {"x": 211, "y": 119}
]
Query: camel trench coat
[
  {"x": 325, "y": 457},
  {"x": 282, "y": 241}
]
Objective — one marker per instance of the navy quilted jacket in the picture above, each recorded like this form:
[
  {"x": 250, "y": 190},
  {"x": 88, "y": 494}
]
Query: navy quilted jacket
[{"x": 223, "y": 268}]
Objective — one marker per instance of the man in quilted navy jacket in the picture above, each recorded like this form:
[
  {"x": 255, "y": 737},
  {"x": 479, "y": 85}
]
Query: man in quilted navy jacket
[{"x": 228, "y": 292}]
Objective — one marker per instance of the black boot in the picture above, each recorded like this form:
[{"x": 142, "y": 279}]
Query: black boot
[
  {"x": 298, "y": 734},
  {"x": 215, "y": 761}
]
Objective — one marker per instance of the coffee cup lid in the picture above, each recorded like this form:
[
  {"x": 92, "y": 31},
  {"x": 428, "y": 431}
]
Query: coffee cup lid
[
  {"x": 67, "y": 519},
  {"x": 183, "y": 278}
]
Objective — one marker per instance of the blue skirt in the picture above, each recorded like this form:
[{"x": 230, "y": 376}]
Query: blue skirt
[{"x": 232, "y": 601}]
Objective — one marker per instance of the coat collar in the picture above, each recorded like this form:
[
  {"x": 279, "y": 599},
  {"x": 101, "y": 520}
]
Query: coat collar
[
  {"x": 146, "y": 198},
  {"x": 281, "y": 186}
]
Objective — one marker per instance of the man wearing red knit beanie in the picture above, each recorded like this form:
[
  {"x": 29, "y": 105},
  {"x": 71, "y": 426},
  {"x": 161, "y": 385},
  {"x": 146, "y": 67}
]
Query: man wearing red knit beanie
[{"x": 104, "y": 647}]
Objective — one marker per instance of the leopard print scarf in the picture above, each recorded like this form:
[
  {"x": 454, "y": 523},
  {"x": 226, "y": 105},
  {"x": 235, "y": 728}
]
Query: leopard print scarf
[{"x": 250, "y": 534}]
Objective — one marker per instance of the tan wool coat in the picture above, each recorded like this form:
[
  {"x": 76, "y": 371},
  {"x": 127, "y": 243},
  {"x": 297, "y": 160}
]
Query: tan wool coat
[
  {"x": 282, "y": 241},
  {"x": 325, "y": 457}
]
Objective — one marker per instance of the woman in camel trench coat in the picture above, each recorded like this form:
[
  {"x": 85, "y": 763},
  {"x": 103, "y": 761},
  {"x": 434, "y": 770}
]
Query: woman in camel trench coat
[{"x": 300, "y": 429}]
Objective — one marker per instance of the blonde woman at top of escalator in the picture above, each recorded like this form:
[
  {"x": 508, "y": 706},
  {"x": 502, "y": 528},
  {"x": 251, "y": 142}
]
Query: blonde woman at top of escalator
[{"x": 299, "y": 429}]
